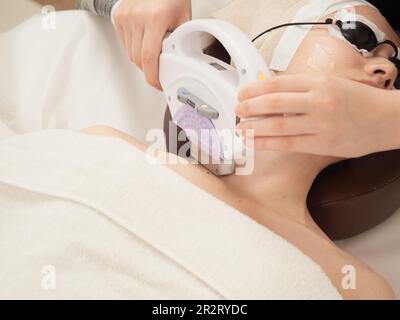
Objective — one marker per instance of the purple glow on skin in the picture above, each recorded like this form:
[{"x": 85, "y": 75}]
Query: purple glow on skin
[{"x": 188, "y": 119}]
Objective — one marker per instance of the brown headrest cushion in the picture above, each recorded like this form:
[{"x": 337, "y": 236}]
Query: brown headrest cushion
[{"x": 355, "y": 195}]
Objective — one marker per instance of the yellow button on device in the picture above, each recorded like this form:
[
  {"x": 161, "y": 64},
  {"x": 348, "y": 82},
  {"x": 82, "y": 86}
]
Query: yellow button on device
[{"x": 261, "y": 76}]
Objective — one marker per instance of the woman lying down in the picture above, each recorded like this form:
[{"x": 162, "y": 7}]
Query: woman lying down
[{"x": 105, "y": 222}]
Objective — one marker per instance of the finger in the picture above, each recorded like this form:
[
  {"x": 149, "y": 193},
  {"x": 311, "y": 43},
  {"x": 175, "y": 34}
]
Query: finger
[
  {"x": 278, "y": 126},
  {"x": 151, "y": 50},
  {"x": 137, "y": 41},
  {"x": 280, "y": 83},
  {"x": 120, "y": 34},
  {"x": 300, "y": 144},
  {"x": 128, "y": 42},
  {"x": 274, "y": 103},
  {"x": 119, "y": 19}
]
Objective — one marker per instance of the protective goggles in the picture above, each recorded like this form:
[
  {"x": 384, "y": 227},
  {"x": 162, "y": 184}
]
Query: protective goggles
[{"x": 359, "y": 34}]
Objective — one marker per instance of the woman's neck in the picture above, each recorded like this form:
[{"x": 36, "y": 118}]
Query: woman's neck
[{"x": 280, "y": 184}]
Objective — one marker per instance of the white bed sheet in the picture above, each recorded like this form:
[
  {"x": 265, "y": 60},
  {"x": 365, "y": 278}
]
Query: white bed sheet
[
  {"x": 78, "y": 75},
  {"x": 73, "y": 77}
]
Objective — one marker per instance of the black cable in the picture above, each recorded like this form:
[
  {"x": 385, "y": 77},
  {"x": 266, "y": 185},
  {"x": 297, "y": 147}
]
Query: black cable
[{"x": 327, "y": 21}]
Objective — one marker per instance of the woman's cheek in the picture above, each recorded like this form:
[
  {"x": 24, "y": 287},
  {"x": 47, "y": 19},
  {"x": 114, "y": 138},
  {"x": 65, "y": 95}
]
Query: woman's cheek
[
  {"x": 322, "y": 53},
  {"x": 321, "y": 59},
  {"x": 317, "y": 54}
]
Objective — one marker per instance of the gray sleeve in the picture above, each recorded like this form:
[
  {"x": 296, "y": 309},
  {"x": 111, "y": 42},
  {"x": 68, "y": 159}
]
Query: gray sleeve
[
  {"x": 100, "y": 7},
  {"x": 201, "y": 8}
]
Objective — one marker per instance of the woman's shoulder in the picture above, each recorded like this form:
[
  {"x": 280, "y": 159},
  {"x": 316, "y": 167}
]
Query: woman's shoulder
[
  {"x": 353, "y": 278},
  {"x": 356, "y": 280}
]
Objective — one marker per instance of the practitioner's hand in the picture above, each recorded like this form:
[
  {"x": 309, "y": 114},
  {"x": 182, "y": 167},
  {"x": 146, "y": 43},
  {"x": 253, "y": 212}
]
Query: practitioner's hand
[
  {"x": 335, "y": 116},
  {"x": 141, "y": 26}
]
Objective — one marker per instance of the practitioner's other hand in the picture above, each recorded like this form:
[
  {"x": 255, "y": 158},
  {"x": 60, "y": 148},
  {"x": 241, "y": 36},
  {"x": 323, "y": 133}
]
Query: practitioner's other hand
[
  {"x": 141, "y": 26},
  {"x": 334, "y": 116}
]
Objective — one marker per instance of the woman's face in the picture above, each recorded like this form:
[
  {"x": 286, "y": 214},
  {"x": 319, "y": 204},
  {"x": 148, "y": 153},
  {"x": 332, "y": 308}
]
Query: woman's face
[{"x": 321, "y": 52}]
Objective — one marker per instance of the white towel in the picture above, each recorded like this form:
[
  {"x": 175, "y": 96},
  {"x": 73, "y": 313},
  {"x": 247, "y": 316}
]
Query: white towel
[
  {"x": 114, "y": 226},
  {"x": 72, "y": 77},
  {"x": 5, "y": 131}
]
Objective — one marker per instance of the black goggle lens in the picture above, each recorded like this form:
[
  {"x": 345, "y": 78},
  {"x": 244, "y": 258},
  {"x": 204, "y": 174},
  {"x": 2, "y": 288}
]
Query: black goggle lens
[
  {"x": 362, "y": 36},
  {"x": 359, "y": 34}
]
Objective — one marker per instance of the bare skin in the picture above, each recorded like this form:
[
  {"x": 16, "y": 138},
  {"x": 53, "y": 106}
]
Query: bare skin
[
  {"x": 274, "y": 195},
  {"x": 270, "y": 197},
  {"x": 353, "y": 98},
  {"x": 141, "y": 26}
]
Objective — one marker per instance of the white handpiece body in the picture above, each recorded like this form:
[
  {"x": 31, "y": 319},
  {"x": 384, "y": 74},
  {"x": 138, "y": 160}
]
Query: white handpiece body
[{"x": 184, "y": 65}]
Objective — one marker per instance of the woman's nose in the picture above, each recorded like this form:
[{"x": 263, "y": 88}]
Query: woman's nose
[{"x": 381, "y": 71}]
